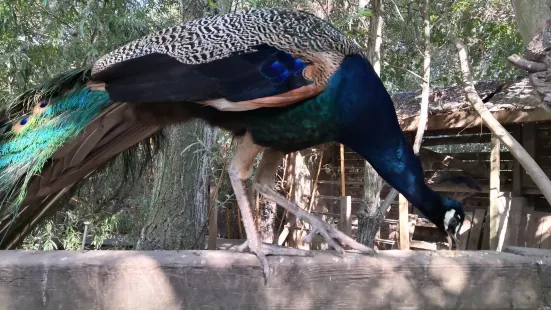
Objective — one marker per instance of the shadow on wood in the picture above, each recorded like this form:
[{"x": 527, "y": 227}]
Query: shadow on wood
[{"x": 224, "y": 280}]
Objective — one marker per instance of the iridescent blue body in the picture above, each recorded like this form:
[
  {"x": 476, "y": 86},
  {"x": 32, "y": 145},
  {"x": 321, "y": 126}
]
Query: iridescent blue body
[{"x": 356, "y": 110}]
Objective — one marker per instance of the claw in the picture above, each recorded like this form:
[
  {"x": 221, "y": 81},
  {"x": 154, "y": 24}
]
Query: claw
[{"x": 267, "y": 249}]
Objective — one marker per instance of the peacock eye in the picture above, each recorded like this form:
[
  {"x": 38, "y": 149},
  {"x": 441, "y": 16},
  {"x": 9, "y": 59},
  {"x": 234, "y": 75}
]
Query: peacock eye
[
  {"x": 21, "y": 124},
  {"x": 39, "y": 108}
]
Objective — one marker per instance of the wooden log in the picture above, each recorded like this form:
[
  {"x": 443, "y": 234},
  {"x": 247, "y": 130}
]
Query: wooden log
[{"x": 171, "y": 280}]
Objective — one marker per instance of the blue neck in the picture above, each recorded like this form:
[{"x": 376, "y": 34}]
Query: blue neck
[{"x": 370, "y": 127}]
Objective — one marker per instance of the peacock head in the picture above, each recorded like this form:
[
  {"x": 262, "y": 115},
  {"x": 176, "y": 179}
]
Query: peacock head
[{"x": 451, "y": 219}]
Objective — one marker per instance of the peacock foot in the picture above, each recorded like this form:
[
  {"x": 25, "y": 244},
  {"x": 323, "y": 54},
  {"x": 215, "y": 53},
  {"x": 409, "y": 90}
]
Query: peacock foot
[
  {"x": 263, "y": 249},
  {"x": 329, "y": 233}
]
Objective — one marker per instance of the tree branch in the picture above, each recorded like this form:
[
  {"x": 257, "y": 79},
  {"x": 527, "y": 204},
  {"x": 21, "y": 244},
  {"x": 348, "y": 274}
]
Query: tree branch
[
  {"x": 526, "y": 65},
  {"x": 527, "y": 162}
]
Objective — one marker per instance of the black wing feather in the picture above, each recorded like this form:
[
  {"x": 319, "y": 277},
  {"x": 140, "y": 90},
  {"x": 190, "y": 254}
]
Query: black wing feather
[{"x": 157, "y": 77}]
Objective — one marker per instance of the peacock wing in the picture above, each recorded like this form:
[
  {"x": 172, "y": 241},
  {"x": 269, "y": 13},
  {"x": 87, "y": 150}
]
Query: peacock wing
[
  {"x": 235, "y": 62},
  {"x": 264, "y": 77}
]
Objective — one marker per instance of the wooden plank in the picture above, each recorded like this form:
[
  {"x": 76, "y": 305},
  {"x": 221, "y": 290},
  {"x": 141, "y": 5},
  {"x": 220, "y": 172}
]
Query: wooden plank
[
  {"x": 524, "y": 222},
  {"x": 533, "y": 234},
  {"x": 494, "y": 213},
  {"x": 346, "y": 212},
  {"x": 403, "y": 218},
  {"x": 471, "y": 118},
  {"x": 545, "y": 223},
  {"x": 476, "y": 230},
  {"x": 514, "y": 225},
  {"x": 174, "y": 280},
  {"x": 465, "y": 231},
  {"x": 423, "y": 245}
]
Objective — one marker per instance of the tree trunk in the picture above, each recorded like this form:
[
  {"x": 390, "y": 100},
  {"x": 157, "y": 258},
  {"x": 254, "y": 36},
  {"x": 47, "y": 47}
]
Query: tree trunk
[
  {"x": 529, "y": 14},
  {"x": 424, "y": 112},
  {"x": 180, "y": 197},
  {"x": 180, "y": 200},
  {"x": 369, "y": 216}
]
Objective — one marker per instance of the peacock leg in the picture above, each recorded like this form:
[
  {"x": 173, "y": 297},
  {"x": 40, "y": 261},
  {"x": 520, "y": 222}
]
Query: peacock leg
[
  {"x": 264, "y": 184},
  {"x": 238, "y": 171}
]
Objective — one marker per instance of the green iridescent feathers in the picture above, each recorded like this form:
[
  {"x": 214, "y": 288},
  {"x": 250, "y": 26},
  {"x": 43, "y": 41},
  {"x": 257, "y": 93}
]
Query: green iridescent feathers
[{"x": 46, "y": 117}]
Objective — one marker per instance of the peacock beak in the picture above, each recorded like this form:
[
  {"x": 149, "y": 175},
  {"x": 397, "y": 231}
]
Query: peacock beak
[{"x": 453, "y": 237}]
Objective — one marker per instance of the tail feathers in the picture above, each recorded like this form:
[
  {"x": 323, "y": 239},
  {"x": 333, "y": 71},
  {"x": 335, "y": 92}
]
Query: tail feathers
[
  {"x": 34, "y": 138},
  {"x": 117, "y": 130}
]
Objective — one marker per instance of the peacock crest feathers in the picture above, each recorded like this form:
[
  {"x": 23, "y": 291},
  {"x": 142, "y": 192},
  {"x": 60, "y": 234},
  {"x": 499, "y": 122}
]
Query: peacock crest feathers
[
  {"x": 43, "y": 119},
  {"x": 301, "y": 34}
]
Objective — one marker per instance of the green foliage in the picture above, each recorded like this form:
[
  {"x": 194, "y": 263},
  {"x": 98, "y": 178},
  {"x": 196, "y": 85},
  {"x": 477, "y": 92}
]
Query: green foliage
[{"x": 487, "y": 28}]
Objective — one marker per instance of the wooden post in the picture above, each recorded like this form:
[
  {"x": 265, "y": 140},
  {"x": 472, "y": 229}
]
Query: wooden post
[
  {"x": 213, "y": 227},
  {"x": 346, "y": 213},
  {"x": 343, "y": 174},
  {"x": 494, "y": 217},
  {"x": 517, "y": 168},
  {"x": 403, "y": 223}
]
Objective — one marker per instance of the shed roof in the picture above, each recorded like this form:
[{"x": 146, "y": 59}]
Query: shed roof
[{"x": 512, "y": 101}]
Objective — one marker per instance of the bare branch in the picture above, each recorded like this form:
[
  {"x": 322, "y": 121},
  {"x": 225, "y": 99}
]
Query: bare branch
[{"x": 527, "y": 65}]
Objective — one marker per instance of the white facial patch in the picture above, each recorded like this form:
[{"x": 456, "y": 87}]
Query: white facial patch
[{"x": 447, "y": 218}]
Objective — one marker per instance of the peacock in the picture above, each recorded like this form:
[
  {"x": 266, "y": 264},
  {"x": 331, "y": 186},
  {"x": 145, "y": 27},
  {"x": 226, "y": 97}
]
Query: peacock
[{"x": 281, "y": 80}]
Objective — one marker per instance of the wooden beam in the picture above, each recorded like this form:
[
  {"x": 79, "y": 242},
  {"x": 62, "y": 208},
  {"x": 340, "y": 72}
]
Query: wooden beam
[
  {"x": 460, "y": 188},
  {"x": 492, "y": 229},
  {"x": 471, "y": 118},
  {"x": 171, "y": 280},
  {"x": 456, "y": 139},
  {"x": 403, "y": 218}
]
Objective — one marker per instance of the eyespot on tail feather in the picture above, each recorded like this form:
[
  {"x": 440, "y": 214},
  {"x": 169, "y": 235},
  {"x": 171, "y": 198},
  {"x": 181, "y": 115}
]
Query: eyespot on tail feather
[{"x": 24, "y": 153}]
